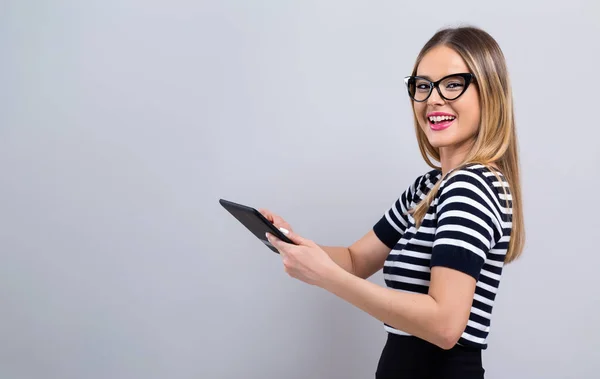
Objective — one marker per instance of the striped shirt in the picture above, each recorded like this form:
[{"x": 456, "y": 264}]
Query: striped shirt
[{"x": 467, "y": 228}]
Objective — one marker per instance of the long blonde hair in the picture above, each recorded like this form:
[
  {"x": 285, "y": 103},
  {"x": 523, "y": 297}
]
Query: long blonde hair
[{"x": 496, "y": 139}]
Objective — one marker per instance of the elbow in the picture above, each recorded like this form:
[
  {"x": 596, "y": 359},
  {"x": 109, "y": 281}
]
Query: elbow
[
  {"x": 448, "y": 336},
  {"x": 449, "y": 326}
]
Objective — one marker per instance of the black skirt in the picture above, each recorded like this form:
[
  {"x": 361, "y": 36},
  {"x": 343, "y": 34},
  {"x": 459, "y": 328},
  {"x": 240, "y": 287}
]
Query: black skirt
[{"x": 409, "y": 357}]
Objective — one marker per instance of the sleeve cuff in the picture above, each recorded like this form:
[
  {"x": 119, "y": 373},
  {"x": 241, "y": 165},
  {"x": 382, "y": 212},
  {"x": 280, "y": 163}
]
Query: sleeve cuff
[
  {"x": 458, "y": 259},
  {"x": 386, "y": 233}
]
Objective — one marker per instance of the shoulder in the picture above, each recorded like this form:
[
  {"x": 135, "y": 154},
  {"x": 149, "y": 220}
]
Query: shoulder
[
  {"x": 477, "y": 175},
  {"x": 479, "y": 186}
]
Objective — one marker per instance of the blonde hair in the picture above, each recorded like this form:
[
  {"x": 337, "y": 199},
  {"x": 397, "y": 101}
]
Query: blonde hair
[{"x": 495, "y": 141}]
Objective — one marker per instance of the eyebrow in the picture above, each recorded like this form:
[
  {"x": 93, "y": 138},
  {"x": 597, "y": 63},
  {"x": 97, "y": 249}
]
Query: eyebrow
[{"x": 429, "y": 78}]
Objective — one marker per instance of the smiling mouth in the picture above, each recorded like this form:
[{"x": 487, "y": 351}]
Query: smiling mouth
[
  {"x": 437, "y": 123},
  {"x": 440, "y": 119}
]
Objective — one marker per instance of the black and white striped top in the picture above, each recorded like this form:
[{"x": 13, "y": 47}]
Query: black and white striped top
[{"x": 467, "y": 228}]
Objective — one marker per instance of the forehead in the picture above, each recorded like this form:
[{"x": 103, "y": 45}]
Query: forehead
[{"x": 441, "y": 61}]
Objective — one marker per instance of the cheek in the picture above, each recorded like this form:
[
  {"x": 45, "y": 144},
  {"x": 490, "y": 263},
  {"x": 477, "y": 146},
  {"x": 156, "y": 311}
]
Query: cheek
[
  {"x": 469, "y": 120},
  {"x": 469, "y": 115}
]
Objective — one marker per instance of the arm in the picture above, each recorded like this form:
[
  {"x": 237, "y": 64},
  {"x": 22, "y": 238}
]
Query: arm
[
  {"x": 467, "y": 228},
  {"x": 341, "y": 256},
  {"x": 367, "y": 255},
  {"x": 439, "y": 317},
  {"x": 363, "y": 258}
]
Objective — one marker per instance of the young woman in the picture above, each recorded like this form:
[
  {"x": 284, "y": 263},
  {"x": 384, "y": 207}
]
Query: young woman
[{"x": 443, "y": 243}]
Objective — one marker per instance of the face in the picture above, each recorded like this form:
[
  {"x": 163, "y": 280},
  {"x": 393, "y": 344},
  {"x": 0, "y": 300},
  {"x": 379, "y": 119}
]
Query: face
[{"x": 460, "y": 118}]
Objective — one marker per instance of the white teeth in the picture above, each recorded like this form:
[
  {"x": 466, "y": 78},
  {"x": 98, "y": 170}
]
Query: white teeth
[{"x": 440, "y": 118}]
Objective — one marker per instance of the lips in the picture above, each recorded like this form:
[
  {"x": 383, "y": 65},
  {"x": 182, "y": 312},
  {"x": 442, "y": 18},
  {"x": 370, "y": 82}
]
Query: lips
[
  {"x": 440, "y": 125},
  {"x": 440, "y": 120}
]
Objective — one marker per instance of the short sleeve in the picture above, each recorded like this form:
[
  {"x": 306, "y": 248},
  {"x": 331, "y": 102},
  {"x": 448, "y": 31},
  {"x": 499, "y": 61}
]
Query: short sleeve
[
  {"x": 392, "y": 225},
  {"x": 467, "y": 223}
]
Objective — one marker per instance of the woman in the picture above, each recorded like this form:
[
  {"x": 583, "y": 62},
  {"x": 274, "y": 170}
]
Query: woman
[{"x": 443, "y": 243}]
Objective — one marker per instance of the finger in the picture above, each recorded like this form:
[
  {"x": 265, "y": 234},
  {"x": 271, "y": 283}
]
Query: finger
[
  {"x": 268, "y": 215},
  {"x": 277, "y": 220},
  {"x": 297, "y": 239},
  {"x": 283, "y": 255},
  {"x": 278, "y": 244}
]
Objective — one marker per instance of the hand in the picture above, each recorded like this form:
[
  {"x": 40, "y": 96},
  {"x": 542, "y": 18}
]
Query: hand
[
  {"x": 278, "y": 221},
  {"x": 305, "y": 261}
]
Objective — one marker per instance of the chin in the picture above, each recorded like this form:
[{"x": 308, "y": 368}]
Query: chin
[
  {"x": 437, "y": 139},
  {"x": 439, "y": 145}
]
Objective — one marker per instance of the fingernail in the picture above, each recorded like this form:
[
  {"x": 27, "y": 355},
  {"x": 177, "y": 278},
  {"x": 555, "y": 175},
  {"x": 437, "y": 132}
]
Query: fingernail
[{"x": 284, "y": 231}]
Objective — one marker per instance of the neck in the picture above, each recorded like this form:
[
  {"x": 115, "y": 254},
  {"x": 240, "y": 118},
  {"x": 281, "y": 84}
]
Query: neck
[{"x": 452, "y": 156}]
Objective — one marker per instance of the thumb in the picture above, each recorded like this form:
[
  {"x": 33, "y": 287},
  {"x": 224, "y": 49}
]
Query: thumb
[{"x": 297, "y": 239}]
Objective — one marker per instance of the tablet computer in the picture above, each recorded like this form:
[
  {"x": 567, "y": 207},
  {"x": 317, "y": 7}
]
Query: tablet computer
[{"x": 255, "y": 222}]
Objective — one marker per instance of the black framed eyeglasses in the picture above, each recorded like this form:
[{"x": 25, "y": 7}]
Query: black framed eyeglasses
[{"x": 449, "y": 87}]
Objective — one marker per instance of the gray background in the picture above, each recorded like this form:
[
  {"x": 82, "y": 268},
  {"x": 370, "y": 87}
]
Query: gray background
[{"x": 122, "y": 123}]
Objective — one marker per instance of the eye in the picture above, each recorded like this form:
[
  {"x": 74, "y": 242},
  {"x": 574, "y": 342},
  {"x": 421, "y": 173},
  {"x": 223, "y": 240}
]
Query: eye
[
  {"x": 422, "y": 86},
  {"x": 454, "y": 85}
]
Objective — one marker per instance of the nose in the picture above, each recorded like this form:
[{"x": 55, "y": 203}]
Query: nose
[{"x": 435, "y": 98}]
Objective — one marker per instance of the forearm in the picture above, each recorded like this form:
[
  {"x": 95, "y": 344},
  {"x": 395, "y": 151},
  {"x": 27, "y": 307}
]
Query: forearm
[
  {"x": 417, "y": 314},
  {"x": 341, "y": 256}
]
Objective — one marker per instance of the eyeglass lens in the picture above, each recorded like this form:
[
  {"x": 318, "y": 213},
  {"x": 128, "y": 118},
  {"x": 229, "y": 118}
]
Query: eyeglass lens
[{"x": 451, "y": 88}]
